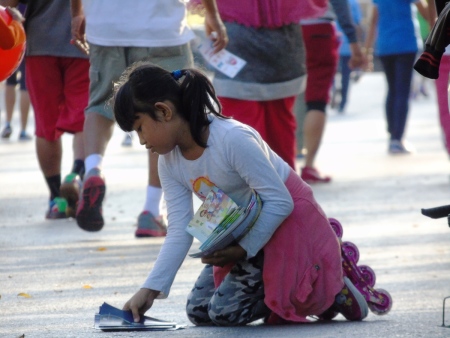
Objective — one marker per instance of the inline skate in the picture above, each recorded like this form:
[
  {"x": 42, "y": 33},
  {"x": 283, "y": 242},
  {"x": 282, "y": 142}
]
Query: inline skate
[{"x": 362, "y": 276}]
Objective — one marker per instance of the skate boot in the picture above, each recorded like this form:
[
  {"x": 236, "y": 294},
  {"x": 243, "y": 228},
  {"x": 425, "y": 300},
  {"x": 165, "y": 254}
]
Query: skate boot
[{"x": 362, "y": 276}]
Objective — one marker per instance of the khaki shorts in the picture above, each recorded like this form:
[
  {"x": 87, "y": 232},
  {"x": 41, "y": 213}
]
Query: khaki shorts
[{"x": 108, "y": 63}]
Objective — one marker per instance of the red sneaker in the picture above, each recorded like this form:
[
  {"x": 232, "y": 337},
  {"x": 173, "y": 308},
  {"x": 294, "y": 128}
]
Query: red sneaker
[
  {"x": 311, "y": 175},
  {"x": 89, "y": 211},
  {"x": 150, "y": 226}
]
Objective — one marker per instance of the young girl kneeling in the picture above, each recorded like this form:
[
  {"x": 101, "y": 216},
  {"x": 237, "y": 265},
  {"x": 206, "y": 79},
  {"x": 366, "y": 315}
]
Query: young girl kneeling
[{"x": 288, "y": 266}]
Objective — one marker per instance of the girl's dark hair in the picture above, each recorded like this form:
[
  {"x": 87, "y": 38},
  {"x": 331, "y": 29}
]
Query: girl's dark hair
[{"x": 143, "y": 84}]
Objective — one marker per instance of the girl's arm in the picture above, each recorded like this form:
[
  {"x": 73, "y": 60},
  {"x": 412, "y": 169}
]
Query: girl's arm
[
  {"x": 174, "y": 249},
  {"x": 178, "y": 241},
  {"x": 249, "y": 156}
]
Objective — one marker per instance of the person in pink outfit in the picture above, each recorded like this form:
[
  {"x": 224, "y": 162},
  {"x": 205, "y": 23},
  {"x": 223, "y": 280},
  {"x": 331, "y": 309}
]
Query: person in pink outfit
[
  {"x": 267, "y": 35},
  {"x": 442, "y": 98},
  {"x": 287, "y": 266}
]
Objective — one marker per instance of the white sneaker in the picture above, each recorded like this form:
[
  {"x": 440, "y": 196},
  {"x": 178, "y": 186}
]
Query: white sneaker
[
  {"x": 128, "y": 140},
  {"x": 400, "y": 147}
]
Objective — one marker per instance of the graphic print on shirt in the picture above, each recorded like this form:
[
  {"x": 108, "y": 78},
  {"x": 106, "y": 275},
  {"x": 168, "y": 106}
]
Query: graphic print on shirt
[{"x": 202, "y": 186}]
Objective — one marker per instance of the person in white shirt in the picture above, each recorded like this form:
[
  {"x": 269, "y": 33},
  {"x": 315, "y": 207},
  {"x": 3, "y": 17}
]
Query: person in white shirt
[{"x": 119, "y": 34}]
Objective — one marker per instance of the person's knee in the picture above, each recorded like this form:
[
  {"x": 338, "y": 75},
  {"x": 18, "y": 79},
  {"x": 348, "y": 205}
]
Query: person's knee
[
  {"x": 223, "y": 318},
  {"x": 198, "y": 315}
]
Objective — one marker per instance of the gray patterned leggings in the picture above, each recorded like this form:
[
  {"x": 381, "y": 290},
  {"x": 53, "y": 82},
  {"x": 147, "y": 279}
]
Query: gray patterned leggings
[{"x": 238, "y": 300}]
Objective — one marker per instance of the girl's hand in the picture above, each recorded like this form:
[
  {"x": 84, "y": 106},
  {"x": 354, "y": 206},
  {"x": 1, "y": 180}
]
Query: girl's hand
[
  {"x": 223, "y": 257},
  {"x": 140, "y": 302}
]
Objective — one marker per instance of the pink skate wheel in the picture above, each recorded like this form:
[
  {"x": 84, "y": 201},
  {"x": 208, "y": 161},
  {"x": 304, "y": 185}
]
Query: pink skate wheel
[
  {"x": 368, "y": 274},
  {"x": 336, "y": 226},
  {"x": 350, "y": 251},
  {"x": 384, "y": 305}
]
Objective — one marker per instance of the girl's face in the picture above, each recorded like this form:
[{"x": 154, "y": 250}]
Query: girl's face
[{"x": 159, "y": 136}]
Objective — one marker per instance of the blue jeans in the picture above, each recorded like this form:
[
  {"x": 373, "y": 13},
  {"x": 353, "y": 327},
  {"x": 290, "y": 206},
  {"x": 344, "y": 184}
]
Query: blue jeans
[{"x": 398, "y": 69}]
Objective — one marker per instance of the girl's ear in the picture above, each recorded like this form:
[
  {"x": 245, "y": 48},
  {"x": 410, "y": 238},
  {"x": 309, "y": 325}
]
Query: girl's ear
[{"x": 164, "y": 110}]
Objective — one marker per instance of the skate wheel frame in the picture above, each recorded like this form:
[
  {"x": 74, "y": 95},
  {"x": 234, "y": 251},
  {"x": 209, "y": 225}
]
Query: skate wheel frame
[{"x": 363, "y": 277}]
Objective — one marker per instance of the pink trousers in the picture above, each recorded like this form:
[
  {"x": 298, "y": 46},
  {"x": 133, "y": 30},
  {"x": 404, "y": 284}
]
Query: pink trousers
[{"x": 302, "y": 271}]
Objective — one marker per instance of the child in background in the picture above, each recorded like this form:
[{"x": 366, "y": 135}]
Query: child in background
[
  {"x": 288, "y": 266},
  {"x": 17, "y": 78}
]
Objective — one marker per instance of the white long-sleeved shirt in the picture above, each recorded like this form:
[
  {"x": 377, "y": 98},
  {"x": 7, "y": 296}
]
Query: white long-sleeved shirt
[{"x": 236, "y": 160}]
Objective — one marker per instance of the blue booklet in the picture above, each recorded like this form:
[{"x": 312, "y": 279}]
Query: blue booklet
[{"x": 110, "y": 318}]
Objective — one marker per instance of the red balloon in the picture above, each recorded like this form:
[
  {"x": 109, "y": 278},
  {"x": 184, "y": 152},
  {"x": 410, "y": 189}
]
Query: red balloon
[{"x": 9, "y": 59}]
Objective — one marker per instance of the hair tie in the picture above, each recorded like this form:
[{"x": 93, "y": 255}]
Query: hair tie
[{"x": 177, "y": 74}]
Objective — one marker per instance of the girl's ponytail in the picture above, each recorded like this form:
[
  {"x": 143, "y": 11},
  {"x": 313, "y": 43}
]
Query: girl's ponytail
[{"x": 198, "y": 98}]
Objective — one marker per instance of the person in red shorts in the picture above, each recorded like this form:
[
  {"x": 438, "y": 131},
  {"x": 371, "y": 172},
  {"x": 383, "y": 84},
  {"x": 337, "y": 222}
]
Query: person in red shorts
[
  {"x": 58, "y": 84},
  {"x": 322, "y": 47}
]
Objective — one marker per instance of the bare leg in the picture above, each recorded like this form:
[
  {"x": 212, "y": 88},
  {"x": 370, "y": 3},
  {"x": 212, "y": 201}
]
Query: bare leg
[
  {"x": 24, "y": 108},
  {"x": 153, "y": 177},
  {"x": 314, "y": 126},
  {"x": 78, "y": 146},
  {"x": 10, "y": 101},
  {"x": 49, "y": 154},
  {"x": 98, "y": 131}
]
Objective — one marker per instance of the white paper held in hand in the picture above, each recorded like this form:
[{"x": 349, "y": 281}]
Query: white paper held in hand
[{"x": 224, "y": 61}]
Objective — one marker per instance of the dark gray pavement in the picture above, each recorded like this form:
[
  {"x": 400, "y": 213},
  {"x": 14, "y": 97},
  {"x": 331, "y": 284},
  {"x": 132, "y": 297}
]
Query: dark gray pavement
[{"x": 68, "y": 273}]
